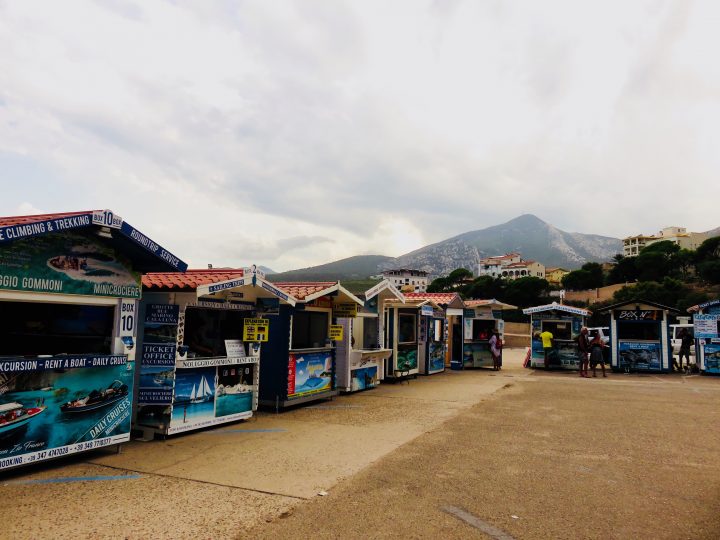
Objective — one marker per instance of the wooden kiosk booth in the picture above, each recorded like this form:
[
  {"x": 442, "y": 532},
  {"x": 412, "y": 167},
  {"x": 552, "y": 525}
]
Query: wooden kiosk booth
[
  {"x": 640, "y": 337},
  {"x": 298, "y": 361},
  {"x": 359, "y": 355},
  {"x": 201, "y": 341},
  {"x": 564, "y": 323},
  {"x": 706, "y": 322},
  {"x": 481, "y": 318},
  {"x": 69, "y": 293}
]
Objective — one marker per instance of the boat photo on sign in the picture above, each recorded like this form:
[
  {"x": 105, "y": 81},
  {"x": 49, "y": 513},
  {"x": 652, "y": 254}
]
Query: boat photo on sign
[{"x": 194, "y": 403}]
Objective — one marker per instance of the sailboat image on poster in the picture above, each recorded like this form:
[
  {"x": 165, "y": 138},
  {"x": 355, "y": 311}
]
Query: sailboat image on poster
[{"x": 202, "y": 393}]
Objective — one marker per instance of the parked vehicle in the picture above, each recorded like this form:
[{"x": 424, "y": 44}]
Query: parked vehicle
[{"x": 677, "y": 341}]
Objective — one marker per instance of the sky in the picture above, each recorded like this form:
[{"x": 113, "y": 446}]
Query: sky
[{"x": 294, "y": 133}]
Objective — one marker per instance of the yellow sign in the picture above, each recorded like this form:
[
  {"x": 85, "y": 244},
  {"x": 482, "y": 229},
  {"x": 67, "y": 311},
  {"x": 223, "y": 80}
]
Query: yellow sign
[
  {"x": 256, "y": 329},
  {"x": 336, "y": 332},
  {"x": 345, "y": 310}
]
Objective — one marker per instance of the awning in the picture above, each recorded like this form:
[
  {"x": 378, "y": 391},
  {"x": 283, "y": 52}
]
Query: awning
[
  {"x": 246, "y": 277},
  {"x": 384, "y": 285},
  {"x": 558, "y": 307}
]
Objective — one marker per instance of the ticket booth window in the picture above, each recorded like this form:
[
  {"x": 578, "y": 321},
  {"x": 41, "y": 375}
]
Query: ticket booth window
[
  {"x": 31, "y": 329},
  {"x": 639, "y": 331},
  {"x": 310, "y": 329},
  {"x": 559, "y": 329},
  {"x": 406, "y": 328},
  {"x": 482, "y": 329},
  {"x": 207, "y": 329}
]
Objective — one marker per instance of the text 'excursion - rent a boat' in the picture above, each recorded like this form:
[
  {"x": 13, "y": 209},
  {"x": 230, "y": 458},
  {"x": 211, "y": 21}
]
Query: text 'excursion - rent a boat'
[{"x": 14, "y": 415}]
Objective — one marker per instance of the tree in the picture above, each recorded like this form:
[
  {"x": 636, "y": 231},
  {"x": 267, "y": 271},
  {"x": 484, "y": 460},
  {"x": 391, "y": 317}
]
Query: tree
[
  {"x": 624, "y": 271},
  {"x": 710, "y": 271},
  {"x": 525, "y": 291},
  {"x": 484, "y": 287},
  {"x": 590, "y": 276},
  {"x": 438, "y": 285},
  {"x": 667, "y": 292},
  {"x": 709, "y": 250}
]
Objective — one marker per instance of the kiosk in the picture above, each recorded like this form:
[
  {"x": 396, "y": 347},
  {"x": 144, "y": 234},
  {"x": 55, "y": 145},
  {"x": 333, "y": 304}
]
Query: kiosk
[
  {"x": 452, "y": 306},
  {"x": 407, "y": 325},
  {"x": 298, "y": 361},
  {"x": 564, "y": 322},
  {"x": 359, "y": 357},
  {"x": 706, "y": 322},
  {"x": 639, "y": 336},
  {"x": 69, "y": 292},
  {"x": 481, "y": 318},
  {"x": 199, "y": 365}
]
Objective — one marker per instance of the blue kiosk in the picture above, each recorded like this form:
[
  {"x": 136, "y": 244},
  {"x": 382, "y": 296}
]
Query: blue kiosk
[{"x": 706, "y": 322}]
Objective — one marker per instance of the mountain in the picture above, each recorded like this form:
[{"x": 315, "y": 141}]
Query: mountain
[
  {"x": 527, "y": 234},
  {"x": 352, "y": 268}
]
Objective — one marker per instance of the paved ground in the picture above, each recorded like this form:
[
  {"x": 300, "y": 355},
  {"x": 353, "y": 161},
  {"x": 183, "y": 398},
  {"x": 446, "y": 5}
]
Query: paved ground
[{"x": 526, "y": 454}]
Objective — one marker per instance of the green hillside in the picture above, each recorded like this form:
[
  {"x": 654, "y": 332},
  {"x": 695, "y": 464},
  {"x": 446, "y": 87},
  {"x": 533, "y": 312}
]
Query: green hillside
[{"x": 353, "y": 268}]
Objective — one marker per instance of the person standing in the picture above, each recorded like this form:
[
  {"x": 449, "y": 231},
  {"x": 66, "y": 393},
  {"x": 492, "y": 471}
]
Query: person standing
[
  {"x": 496, "y": 349},
  {"x": 596, "y": 354},
  {"x": 686, "y": 341},
  {"x": 583, "y": 351},
  {"x": 547, "y": 343}
]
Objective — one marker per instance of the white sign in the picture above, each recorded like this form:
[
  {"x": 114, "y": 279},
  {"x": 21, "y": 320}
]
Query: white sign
[
  {"x": 106, "y": 218},
  {"x": 234, "y": 348},
  {"x": 706, "y": 326}
]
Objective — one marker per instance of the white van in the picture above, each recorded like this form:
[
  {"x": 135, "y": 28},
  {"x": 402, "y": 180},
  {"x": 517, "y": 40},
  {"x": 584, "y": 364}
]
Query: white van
[{"x": 675, "y": 339}]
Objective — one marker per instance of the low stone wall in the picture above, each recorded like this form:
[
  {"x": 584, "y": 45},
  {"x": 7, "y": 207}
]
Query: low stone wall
[
  {"x": 517, "y": 334},
  {"x": 591, "y": 296}
]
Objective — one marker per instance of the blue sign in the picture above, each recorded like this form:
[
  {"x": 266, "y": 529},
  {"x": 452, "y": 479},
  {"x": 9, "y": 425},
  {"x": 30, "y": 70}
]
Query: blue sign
[
  {"x": 162, "y": 313},
  {"x": 160, "y": 252},
  {"x": 62, "y": 362},
  {"x": 639, "y": 355},
  {"x": 157, "y": 363},
  {"x": 27, "y": 230}
]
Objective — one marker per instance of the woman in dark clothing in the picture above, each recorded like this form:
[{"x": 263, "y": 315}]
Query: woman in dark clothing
[{"x": 596, "y": 354}]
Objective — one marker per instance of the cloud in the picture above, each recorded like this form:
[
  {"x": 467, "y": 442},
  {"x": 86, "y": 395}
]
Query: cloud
[{"x": 290, "y": 134}]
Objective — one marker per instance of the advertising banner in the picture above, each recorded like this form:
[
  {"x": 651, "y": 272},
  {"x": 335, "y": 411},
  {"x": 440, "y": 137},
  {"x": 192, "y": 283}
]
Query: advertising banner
[
  {"x": 157, "y": 363},
  {"x": 67, "y": 263},
  {"x": 311, "y": 373},
  {"x": 364, "y": 378},
  {"x": 61, "y": 405},
  {"x": 406, "y": 358},
  {"x": 706, "y": 326},
  {"x": 477, "y": 355},
  {"x": 712, "y": 357},
  {"x": 637, "y": 355},
  {"x": 436, "y": 356}
]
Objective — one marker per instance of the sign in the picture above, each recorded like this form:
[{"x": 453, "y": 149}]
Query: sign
[
  {"x": 106, "y": 218},
  {"x": 336, "y": 332},
  {"x": 426, "y": 311},
  {"x": 28, "y": 230},
  {"x": 638, "y": 315},
  {"x": 309, "y": 373},
  {"x": 67, "y": 263},
  {"x": 160, "y": 252},
  {"x": 57, "y": 406},
  {"x": 469, "y": 313},
  {"x": 234, "y": 348},
  {"x": 256, "y": 329},
  {"x": 157, "y": 361},
  {"x": 348, "y": 310},
  {"x": 706, "y": 326},
  {"x": 638, "y": 355},
  {"x": 268, "y": 306}
]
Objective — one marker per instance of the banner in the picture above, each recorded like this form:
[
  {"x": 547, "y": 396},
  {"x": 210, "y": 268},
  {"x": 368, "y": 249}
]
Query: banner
[
  {"x": 157, "y": 363},
  {"x": 63, "y": 405},
  {"x": 711, "y": 353},
  {"x": 67, "y": 263},
  {"x": 635, "y": 355}
]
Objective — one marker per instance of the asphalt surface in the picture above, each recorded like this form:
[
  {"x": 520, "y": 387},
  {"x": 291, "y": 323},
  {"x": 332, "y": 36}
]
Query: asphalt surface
[{"x": 473, "y": 454}]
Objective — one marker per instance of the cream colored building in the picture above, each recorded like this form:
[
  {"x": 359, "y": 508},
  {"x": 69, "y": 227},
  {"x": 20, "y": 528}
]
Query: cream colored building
[
  {"x": 554, "y": 275},
  {"x": 510, "y": 266},
  {"x": 632, "y": 245}
]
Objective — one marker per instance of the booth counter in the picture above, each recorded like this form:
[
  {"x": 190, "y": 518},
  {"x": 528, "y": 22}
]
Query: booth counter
[
  {"x": 200, "y": 363},
  {"x": 445, "y": 336},
  {"x": 481, "y": 319},
  {"x": 706, "y": 323},
  {"x": 298, "y": 361},
  {"x": 360, "y": 358},
  {"x": 69, "y": 292},
  {"x": 564, "y": 323},
  {"x": 640, "y": 337}
]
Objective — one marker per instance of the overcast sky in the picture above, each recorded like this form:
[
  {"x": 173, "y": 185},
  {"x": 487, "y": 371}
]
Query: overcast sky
[{"x": 292, "y": 133}]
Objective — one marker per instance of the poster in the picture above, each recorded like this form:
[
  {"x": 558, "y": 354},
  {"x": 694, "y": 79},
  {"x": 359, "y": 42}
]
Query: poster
[
  {"x": 67, "y": 263},
  {"x": 706, "y": 326},
  {"x": 60, "y": 405},
  {"x": 436, "y": 356},
  {"x": 637, "y": 355},
  {"x": 309, "y": 373},
  {"x": 477, "y": 355},
  {"x": 712, "y": 357},
  {"x": 194, "y": 401},
  {"x": 157, "y": 361},
  {"x": 364, "y": 378},
  {"x": 406, "y": 358}
]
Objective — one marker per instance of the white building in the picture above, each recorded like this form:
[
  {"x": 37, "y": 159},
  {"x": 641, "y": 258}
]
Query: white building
[
  {"x": 510, "y": 266},
  {"x": 407, "y": 280}
]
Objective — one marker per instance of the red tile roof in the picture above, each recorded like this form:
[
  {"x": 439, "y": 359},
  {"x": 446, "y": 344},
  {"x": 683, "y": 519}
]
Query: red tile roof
[
  {"x": 17, "y": 220},
  {"x": 191, "y": 279},
  {"x": 438, "y": 298},
  {"x": 302, "y": 289}
]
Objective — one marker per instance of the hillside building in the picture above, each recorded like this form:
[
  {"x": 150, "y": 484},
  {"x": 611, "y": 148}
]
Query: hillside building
[
  {"x": 407, "y": 280},
  {"x": 510, "y": 266},
  {"x": 632, "y": 245},
  {"x": 554, "y": 275}
]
